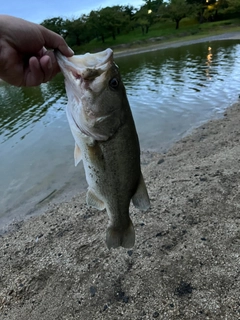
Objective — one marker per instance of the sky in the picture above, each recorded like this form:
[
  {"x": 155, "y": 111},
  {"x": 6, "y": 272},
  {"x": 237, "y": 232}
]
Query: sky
[{"x": 37, "y": 10}]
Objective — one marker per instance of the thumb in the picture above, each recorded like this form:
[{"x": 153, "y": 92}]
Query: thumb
[{"x": 55, "y": 41}]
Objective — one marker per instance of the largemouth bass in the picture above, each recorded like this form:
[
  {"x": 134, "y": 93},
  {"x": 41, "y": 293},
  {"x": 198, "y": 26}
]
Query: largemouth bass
[{"x": 106, "y": 140}]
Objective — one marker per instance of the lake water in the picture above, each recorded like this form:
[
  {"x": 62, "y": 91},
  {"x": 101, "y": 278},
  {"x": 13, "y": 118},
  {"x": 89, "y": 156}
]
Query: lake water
[{"x": 170, "y": 92}]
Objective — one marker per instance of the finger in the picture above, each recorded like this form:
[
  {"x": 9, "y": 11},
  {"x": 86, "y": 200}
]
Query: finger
[
  {"x": 34, "y": 75},
  {"x": 55, "y": 41},
  {"x": 54, "y": 62},
  {"x": 46, "y": 66},
  {"x": 42, "y": 52},
  {"x": 49, "y": 66}
]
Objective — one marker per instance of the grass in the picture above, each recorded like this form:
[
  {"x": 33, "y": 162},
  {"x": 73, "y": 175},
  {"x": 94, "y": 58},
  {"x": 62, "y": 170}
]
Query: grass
[{"x": 164, "y": 31}]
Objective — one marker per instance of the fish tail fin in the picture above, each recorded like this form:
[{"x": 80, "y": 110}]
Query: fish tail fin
[{"x": 117, "y": 237}]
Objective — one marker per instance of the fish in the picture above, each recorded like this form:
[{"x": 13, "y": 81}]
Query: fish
[{"x": 106, "y": 140}]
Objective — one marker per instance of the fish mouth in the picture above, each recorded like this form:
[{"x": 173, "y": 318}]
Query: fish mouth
[
  {"x": 87, "y": 66},
  {"x": 92, "y": 60}
]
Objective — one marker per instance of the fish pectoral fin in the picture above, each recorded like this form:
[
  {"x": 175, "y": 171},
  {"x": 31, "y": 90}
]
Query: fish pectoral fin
[
  {"x": 77, "y": 155},
  {"x": 94, "y": 201},
  {"x": 141, "y": 199},
  {"x": 120, "y": 237}
]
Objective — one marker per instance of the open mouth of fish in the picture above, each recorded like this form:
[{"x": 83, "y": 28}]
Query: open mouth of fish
[
  {"x": 87, "y": 66},
  {"x": 87, "y": 78}
]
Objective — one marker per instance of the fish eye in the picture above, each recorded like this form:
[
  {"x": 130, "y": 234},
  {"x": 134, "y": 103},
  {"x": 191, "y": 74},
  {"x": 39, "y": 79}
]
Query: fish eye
[{"x": 113, "y": 83}]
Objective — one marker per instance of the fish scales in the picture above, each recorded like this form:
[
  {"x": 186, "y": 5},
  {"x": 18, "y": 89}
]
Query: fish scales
[{"x": 106, "y": 140}]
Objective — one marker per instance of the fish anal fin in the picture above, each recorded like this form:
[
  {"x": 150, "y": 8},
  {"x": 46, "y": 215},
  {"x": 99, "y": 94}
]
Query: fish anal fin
[
  {"x": 120, "y": 238},
  {"x": 141, "y": 199},
  {"x": 94, "y": 201},
  {"x": 77, "y": 155}
]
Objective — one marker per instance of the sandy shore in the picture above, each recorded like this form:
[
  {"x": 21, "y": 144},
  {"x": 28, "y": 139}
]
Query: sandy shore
[
  {"x": 185, "y": 264},
  {"x": 186, "y": 261}
]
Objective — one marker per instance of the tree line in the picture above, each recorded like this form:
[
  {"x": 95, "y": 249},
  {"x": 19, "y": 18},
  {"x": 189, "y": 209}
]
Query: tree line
[{"x": 115, "y": 20}]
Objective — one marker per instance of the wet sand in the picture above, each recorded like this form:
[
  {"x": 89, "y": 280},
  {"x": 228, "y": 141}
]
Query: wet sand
[{"x": 186, "y": 261}]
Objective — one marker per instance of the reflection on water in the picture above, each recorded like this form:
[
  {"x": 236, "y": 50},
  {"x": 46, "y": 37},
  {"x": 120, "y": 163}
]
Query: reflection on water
[
  {"x": 22, "y": 107},
  {"x": 170, "y": 91},
  {"x": 209, "y": 62},
  {"x": 173, "y": 90}
]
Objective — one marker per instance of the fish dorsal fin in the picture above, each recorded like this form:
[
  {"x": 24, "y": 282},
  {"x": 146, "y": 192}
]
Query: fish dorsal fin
[
  {"x": 77, "y": 154},
  {"x": 141, "y": 199},
  {"x": 94, "y": 201}
]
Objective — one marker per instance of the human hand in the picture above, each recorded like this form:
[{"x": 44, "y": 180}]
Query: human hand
[{"x": 24, "y": 60}]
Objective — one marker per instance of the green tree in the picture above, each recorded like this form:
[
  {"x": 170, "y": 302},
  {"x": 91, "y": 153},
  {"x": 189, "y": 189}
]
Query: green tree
[
  {"x": 153, "y": 5},
  {"x": 108, "y": 21},
  {"x": 113, "y": 19},
  {"x": 145, "y": 17},
  {"x": 130, "y": 12},
  {"x": 177, "y": 10},
  {"x": 55, "y": 24},
  {"x": 76, "y": 31},
  {"x": 142, "y": 20},
  {"x": 94, "y": 25},
  {"x": 232, "y": 6},
  {"x": 148, "y": 14},
  {"x": 199, "y": 7}
]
